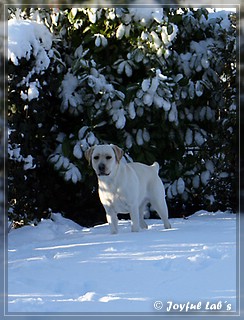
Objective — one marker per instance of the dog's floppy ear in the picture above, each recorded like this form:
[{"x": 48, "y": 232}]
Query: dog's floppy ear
[
  {"x": 88, "y": 154},
  {"x": 118, "y": 152}
]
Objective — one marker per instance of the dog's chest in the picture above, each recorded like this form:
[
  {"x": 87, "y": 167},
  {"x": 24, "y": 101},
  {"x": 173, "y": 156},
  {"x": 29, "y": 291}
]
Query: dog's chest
[{"x": 113, "y": 197}]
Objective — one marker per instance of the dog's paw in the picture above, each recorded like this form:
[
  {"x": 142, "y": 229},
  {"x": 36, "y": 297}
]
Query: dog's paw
[
  {"x": 167, "y": 225},
  {"x": 135, "y": 229}
]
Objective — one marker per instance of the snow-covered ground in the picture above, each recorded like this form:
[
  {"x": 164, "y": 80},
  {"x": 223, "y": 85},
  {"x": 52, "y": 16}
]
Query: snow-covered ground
[{"x": 59, "y": 266}]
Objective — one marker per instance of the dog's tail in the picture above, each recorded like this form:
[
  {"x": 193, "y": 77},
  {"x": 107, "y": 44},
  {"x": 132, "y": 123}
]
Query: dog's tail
[{"x": 155, "y": 165}]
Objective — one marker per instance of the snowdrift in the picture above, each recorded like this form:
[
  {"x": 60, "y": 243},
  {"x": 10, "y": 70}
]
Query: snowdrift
[{"x": 59, "y": 266}]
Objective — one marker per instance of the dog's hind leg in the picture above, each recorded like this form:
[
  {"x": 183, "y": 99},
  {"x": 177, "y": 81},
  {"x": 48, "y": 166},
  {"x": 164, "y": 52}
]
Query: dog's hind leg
[
  {"x": 158, "y": 202},
  {"x": 143, "y": 224},
  {"x": 162, "y": 211}
]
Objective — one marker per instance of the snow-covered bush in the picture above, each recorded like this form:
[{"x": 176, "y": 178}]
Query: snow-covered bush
[
  {"x": 158, "y": 82},
  {"x": 32, "y": 79},
  {"x": 2, "y": 173},
  {"x": 2, "y": 127}
]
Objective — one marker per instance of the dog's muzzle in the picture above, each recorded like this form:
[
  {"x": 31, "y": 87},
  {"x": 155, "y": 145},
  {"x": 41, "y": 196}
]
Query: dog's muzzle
[{"x": 102, "y": 170}]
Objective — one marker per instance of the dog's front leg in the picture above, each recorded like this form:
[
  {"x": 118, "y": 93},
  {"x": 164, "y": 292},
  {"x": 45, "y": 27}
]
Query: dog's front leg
[
  {"x": 134, "y": 215},
  {"x": 113, "y": 223},
  {"x": 112, "y": 220}
]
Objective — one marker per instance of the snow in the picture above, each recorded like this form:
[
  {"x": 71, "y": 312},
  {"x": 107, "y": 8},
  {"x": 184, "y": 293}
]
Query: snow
[
  {"x": 77, "y": 152},
  {"x": 205, "y": 176},
  {"x": 29, "y": 162},
  {"x": 92, "y": 15},
  {"x": 189, "y": 137},
  {"x": 120, "y": 31},
  {"x": 168, "y": 38},
  {"x": 128, "y": 141},
  {"x": 196, "y": 181},
  {"x": 223, "y": 16},
  {"x": 28, "y": 37},
  {"x": 145, "y": 16},
  {"x": 199, "y": 138},
  {"x": 180, "y": 185},
  {"x": 173, "y": 114},
  {"x": 33, "y": 92},
  {"x": 146, "y": 83},
  {"x": 131, "y": 110},
  {"x": 68, "y": 93},
  {"x": 209, "y": 166},
  {"x": 139, "y": 137},
  {"x": 14, "y": 152},
  {"x": 100, "y": 40},
  {"x": 72, "y": 173},
  {"x": 59, "y": 266}
]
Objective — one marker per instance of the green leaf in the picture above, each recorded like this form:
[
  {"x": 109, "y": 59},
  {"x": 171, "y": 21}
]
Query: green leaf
[{"x": 67, "y": 148}]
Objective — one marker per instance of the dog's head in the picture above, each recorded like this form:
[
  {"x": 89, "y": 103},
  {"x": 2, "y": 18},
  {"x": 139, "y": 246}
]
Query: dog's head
[{"x": 104, "y": 158}]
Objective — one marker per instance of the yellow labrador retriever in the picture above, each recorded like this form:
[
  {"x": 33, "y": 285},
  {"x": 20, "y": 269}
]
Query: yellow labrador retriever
[{"x": 127, "y": 187}]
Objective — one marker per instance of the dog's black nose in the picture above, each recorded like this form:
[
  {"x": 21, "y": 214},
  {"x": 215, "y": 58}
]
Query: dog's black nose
[{"x": 101, "y": 167}]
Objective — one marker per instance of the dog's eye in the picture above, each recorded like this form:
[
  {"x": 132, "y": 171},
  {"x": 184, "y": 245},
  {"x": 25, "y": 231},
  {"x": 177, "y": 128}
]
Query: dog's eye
[
  {"x": 108, "y": 157},
  {"x": 96, "y": 157}
]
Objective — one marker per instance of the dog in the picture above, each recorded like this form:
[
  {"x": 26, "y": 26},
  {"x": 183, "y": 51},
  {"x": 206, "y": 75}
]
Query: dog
[{"x": 127, "y": 187}]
